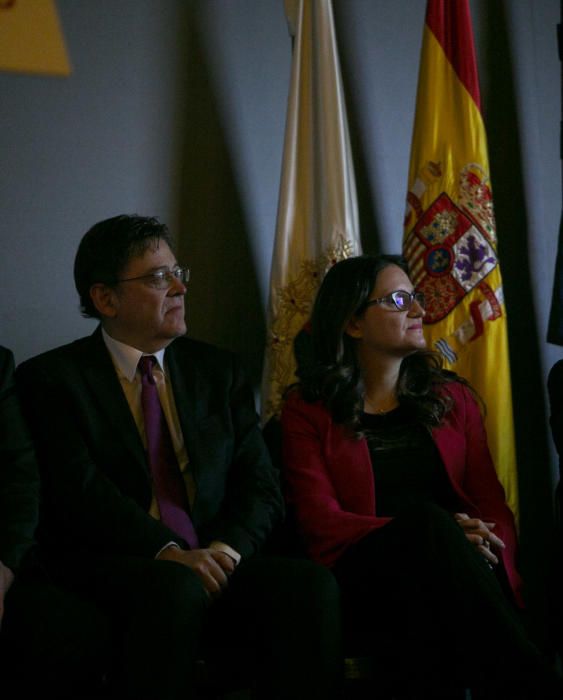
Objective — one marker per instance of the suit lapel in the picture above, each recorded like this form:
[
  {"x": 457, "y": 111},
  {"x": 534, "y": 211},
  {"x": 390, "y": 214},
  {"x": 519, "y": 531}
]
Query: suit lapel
[
  {"x": 103, "y": 382},
  {"x": 189, "y": 399}
]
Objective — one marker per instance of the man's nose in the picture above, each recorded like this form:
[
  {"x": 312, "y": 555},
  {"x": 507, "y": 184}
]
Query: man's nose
[{"x": 177, "y": 287}]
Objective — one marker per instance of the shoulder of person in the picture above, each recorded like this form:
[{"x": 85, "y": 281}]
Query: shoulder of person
[
  {"x": 5, "y": 354},
  {"x": 295, "y": 403},
  {"x": 464, "y": 398},
  {"x": 555, "y": 379},
  {"x": 6, "y": 360},
  {"x": 6, "y": 371},
  {"x": 199, "y": 350},
  {"x": 220, "y": 367},
  {"x": 62, "y": 355},
  {"x": 557, "y": 369},
  {"x": 453, "y": 384}
]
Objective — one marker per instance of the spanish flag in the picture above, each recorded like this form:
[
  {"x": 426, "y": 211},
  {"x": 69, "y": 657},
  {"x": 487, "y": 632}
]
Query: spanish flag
[{"x": 449, "y": 231}]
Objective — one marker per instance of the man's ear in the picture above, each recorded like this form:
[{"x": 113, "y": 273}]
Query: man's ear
[
  {"x": 104, "y": 299},
  {"x": 354, "y": 327}
]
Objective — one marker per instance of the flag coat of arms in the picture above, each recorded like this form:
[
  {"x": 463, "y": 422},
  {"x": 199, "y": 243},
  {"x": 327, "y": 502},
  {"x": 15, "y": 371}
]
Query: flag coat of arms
[
  {"x": 317, "y": 221},
  {"x": 450, "y": 237}
]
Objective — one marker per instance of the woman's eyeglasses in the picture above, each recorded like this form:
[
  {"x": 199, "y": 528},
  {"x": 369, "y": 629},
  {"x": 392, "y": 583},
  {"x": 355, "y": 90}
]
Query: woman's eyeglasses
[{"x": 399, "y": 300}]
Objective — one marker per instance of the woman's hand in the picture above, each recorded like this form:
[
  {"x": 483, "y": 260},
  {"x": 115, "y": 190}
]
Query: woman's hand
[{"x": 480, "y": 534}]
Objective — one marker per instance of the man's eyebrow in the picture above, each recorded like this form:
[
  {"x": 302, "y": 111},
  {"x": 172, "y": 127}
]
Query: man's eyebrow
[{"x": 162, "y": 268}]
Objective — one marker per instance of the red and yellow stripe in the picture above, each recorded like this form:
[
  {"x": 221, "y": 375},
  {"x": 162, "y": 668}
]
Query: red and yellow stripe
[{"x": 449, "y": 157}]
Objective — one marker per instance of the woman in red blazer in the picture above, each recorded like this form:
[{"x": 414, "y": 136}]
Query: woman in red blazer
[{"x": 388, "y": 472}]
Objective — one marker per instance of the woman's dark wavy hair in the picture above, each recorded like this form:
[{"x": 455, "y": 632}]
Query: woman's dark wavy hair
[{"x": 330, "y": 371}]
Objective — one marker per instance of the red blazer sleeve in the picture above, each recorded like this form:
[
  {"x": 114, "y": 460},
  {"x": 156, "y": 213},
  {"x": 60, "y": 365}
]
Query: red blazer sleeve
[
  {"x": 328, "y": 480},
  {"x": 462, "y": 442}
]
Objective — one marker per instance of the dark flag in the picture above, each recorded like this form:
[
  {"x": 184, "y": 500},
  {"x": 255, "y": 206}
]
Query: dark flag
[{"x": 555, "y": 326}]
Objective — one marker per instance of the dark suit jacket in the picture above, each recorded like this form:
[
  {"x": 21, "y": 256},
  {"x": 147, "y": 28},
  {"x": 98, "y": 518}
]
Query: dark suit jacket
[
  {"x": 96, "y": 479},
  {"x": 555, "y": 390},
  {"x": 330, "y": 483},
  {"x": 19, "y": 481}
]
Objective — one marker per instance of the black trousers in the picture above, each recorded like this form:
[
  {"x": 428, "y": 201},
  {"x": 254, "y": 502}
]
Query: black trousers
[
  {"x": 284, "y": 611},
  {"x": 53, "y": 642},
  {"x": 419, "y": 597}
]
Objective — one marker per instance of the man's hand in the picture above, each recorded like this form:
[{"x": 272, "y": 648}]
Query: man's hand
[
  {"x": 6, "y": 579},
  {"x": 480, "y": 534},
  {"x": 212, "y": 566}
]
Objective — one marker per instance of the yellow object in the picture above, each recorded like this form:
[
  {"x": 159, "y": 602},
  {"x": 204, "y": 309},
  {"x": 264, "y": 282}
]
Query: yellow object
[
  {"x": 450, "y": 234},
  {"x": 31, "y": 39},
  {"x": 317, "y": 221}
]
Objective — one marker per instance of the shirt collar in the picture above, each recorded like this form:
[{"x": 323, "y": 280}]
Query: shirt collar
[{"x": 126, "y": 358}]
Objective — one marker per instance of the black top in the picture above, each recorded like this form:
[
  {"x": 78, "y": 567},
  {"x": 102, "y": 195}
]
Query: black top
[{"x": 407, "y": 466}]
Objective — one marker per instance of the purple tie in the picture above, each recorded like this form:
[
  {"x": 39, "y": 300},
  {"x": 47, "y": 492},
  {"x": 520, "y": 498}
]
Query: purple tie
[{"x": 169, "y": 486}]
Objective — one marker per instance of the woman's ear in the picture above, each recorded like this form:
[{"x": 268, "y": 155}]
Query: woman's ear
[
  {"x": 354, "y": 327},
  {"x": 104, "y": 299}
]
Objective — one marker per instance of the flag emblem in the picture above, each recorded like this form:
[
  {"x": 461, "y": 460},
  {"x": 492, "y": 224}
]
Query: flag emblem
[
  {"x": 449, "y": 255},
  {"x": 450, "y": 232}
]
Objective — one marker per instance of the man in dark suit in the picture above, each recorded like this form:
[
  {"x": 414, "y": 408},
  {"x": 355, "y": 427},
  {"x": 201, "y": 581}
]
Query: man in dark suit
[
  {"x": 19, "y": 481},
  {"x": 49, "y": 640},
  {"x": 176, "y": 569}
]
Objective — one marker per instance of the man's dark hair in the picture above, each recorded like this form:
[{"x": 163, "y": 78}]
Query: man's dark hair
[{"x": 107, "y": 247}]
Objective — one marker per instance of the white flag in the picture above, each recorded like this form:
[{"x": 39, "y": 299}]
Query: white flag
[{"x": 317, "y": 221}]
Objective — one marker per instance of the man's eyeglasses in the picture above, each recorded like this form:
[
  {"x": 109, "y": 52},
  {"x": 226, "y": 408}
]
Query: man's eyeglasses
[
  {"x": 399, "y": 300},
  {"x": 163, "y": 279}
]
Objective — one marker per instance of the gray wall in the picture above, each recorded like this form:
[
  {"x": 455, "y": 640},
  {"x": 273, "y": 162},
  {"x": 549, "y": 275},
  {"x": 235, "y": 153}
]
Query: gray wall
[
  {"x": 76, "y": 150},
  {"x": 177, "y": 107}
]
